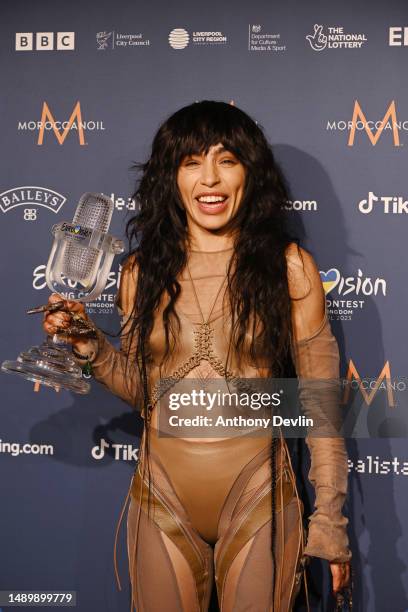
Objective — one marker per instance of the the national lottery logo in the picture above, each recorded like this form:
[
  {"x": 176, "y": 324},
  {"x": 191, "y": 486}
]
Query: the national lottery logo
[
  {"x": 31, "y": 198},
  {"x": 179, "y": 38},
  {"x": 334, "y": 37}
]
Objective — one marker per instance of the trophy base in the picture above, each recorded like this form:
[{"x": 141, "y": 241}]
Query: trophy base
[{"x": 50, "y": 365}]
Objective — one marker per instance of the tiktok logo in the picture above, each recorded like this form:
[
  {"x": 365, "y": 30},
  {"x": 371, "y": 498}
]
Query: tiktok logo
[
  {"x": 121, "y": 452},
  {"x": 317, "y": 40},
  {"x": 98, "y": 452},
  {"x": 396, "y": 205}
]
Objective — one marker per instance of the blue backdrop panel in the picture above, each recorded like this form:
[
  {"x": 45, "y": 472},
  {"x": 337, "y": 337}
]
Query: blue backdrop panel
[{"x": 302, "y": 70}]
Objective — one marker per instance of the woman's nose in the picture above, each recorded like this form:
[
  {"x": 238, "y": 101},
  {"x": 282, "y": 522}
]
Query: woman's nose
[{"x": 209, "y": 174}]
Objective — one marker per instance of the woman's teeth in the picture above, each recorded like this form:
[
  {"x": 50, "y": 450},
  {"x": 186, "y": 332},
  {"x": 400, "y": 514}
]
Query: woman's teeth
[{"x": 212, "y": 199}]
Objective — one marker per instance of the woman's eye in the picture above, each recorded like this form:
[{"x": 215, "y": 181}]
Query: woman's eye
[
  {"x": 191, "y": 162},
  {"x": 228, "y": 161}
]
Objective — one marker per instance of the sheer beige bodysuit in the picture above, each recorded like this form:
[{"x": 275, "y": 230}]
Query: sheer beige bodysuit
[{"x": 211, "y": 498}]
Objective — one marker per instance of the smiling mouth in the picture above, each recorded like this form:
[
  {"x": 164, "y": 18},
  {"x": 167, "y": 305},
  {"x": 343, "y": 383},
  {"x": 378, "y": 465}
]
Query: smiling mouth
[
  {"x": 212, "y": 205},
  {"x": 211, "y": 199}
]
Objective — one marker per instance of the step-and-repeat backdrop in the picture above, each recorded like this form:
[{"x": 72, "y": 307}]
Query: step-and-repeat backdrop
[{"x": 84, "y": 87}]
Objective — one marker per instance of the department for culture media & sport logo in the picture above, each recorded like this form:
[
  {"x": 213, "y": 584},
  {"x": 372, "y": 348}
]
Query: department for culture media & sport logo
[
  {"x": 261, "y": 41},
  {"x": 334, "y": 38}
]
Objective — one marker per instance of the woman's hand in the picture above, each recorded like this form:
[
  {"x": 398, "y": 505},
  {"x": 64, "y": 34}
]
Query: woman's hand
[
  {"x": 340, "y": 575},
  {"x": 60, "y": 320}
]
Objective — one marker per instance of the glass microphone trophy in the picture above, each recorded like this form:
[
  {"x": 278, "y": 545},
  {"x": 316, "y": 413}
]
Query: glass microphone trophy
[{"x": 82, "y": 252}]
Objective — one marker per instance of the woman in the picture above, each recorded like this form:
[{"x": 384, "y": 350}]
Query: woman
[{"x": 217, "y": 289}]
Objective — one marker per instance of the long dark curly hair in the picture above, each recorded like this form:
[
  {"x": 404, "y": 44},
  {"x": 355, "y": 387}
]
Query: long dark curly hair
[{"x": 158, "y": 237}]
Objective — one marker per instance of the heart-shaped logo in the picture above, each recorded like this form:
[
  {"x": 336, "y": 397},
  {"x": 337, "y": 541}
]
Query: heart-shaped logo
[{"x": 330, "y": 279}]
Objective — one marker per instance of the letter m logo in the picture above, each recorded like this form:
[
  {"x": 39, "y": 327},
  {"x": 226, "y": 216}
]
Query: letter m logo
[
  {"x": 46, "y": 116},
  {"x": 383, "y": 381},
  {"x": 358, "y": 114}
]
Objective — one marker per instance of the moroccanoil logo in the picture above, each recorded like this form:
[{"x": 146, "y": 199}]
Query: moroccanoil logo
[
  {"x": 61, "y": 128},
  {"x": 373, "y": 129},
  {"x": 368, "y": 391},
  {"x": 369, "y": 387}
]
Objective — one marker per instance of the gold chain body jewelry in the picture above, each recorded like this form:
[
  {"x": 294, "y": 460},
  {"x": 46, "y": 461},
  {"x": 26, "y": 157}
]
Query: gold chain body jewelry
[{"x": 203, "y": 351}]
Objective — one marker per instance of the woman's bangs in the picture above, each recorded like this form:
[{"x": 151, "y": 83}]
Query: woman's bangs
[{"x": 198, "y": 137}]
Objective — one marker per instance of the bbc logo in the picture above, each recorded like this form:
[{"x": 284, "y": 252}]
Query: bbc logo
[{"x": 45, "y": 41}]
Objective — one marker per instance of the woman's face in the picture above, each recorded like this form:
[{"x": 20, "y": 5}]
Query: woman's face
[{"x": 211, "y": 187}]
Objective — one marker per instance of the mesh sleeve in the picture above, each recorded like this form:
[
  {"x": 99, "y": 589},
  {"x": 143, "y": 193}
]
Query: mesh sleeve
[
  {"x": 111, "y": 367},
  {"x": 316, "y": 360}
]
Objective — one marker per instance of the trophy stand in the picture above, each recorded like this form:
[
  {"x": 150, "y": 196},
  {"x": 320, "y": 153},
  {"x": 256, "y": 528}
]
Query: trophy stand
[{"x": 51, "y": 365}]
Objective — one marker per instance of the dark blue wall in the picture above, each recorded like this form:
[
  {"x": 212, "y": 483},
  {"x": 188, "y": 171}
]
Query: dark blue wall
[{"x": 59, "y": 510}]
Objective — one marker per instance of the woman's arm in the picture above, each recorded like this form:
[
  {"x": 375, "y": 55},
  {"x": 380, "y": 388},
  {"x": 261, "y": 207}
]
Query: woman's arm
[
  {"x": 316, "y": 356},
  {"x": 110, "y": 367}
]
